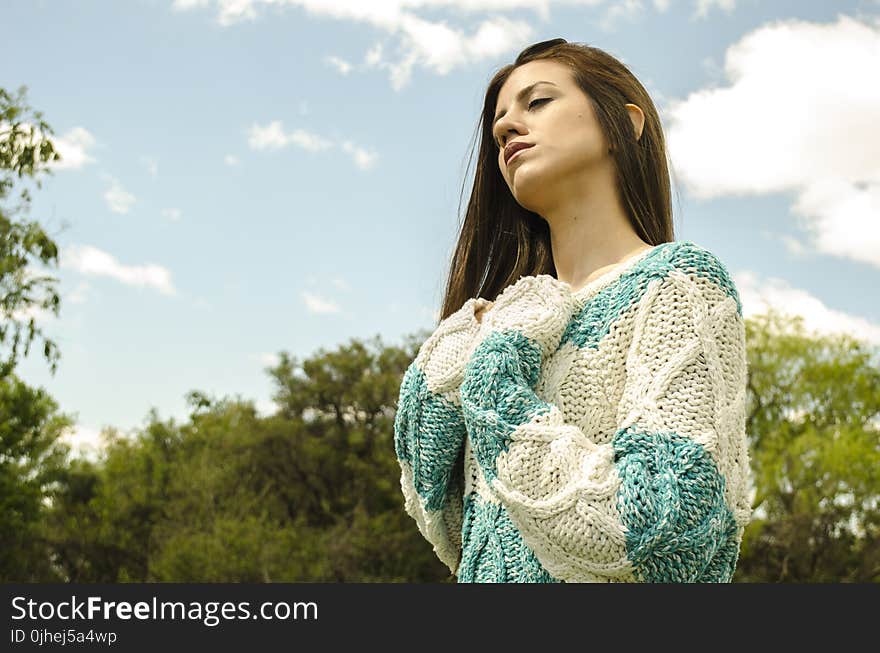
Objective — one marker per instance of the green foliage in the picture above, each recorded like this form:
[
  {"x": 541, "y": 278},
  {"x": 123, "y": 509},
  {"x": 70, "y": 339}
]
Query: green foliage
[
  {"x": 814, "y": 424},
  {"x": 31, "y": 457},
  {"x": 25, "y": 149},
  {"x": 312, "y": 492},
  {"x": 32, "y": 464}
]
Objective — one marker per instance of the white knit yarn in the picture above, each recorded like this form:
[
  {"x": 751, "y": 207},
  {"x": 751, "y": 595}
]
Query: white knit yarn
[{"x": 674, "y": 362}]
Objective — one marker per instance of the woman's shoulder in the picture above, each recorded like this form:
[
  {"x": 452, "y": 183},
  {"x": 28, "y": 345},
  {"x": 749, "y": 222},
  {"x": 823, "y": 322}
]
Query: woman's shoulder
[{"x": 700, "y": 264}]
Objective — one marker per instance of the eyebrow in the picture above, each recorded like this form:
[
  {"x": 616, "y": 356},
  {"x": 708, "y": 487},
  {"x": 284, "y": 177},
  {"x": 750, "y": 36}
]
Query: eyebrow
[{"x": 519, "y": 96}]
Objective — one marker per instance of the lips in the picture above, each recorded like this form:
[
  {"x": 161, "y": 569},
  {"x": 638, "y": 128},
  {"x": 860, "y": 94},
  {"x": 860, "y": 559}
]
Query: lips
[{"x": 513, "y": 148}]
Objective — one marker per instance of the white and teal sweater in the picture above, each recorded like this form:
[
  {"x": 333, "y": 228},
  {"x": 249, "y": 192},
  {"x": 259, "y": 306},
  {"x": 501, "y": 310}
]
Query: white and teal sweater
[{"x": 587, "y": 436}]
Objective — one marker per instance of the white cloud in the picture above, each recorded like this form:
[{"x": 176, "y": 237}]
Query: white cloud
[
  {"x": 231, "y": 160},
  {"x": 433, "y": 43},
  {"x": 441, "y": 48},
  {"x": 340, "y": 64},
  {"x": 267, "y": 359},
  {"x": 797, "y": 117},
  {"x": 172, "y": 214},
  {"x": 308, "y": 141},
  {"x": 231, "y": 11},
  {"x": 703, "y": 6},
  {"x": 117, "y": 198},
  {"x": 793, "y": 245},
  {"x": 85, "y": 441},
  {"x": 73, "y": 147},
  {"x": 373, "y": 57},
  {"x": 272, "y": 137},
  {"x": 759, "y": 295},
  {"x": 92, "y": 261},
  {"x": 362, "y": 158},
  {"x": 317, "y": 304},
  {"x": 182, "y": 5},
  {"x": 843, "y": 216},
  {"x": 625, "y": 9},
  {"x": 341, "y": 284},
  {"x": 265, "y": 407}
]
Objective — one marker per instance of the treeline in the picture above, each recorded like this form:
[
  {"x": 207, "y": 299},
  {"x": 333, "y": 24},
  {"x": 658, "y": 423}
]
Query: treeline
[{"x": 312, "y": 494}]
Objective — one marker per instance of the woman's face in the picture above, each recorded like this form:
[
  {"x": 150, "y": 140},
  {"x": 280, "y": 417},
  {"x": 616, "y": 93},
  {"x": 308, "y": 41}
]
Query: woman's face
[{"x": 558, "y": 121}]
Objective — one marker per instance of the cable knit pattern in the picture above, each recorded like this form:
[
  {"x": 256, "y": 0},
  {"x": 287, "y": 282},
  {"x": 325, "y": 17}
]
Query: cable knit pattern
[
  {"x": 588, "y": 436},
  {"x": 429, "y": 433}
]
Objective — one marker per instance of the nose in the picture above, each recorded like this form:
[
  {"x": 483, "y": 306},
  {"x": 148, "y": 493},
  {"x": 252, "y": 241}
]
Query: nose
[
  {"x": 507, "y": 127},
  {"x": 507, "y": 135}
]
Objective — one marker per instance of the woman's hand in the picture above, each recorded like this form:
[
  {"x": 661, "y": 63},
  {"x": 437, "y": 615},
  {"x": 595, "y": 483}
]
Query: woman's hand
[{"x": 481, "y": 306}]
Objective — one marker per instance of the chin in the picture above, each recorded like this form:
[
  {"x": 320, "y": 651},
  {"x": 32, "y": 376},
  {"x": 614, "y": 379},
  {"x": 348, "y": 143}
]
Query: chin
[
  {"x": 529, "y": 198},
  {"x": 526, "y": 186}
]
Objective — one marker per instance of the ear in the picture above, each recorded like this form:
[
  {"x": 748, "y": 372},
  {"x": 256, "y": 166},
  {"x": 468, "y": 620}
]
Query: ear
[{"x": 637, "y": 117}]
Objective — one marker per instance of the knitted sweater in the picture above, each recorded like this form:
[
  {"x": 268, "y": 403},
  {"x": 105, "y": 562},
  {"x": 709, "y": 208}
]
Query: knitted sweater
[{"x": 595, "y": 435}]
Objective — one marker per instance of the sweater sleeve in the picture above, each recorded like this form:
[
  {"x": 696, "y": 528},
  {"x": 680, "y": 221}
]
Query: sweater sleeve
[
  {"x": 429, "y": 433},
  {"x": 665, "y": 499}
]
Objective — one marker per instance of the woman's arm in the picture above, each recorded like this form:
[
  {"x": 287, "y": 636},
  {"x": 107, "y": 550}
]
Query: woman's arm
[
  {"x": 665, "y": 501},
  {"x": 429, "y": 433}
]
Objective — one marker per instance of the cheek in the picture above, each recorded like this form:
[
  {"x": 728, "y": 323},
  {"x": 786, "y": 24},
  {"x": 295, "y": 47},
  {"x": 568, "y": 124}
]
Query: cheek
[{"x": 578, "y": 137}]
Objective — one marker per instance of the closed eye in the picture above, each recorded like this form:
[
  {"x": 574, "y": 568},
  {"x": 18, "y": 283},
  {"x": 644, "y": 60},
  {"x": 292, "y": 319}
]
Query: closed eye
[{"x": 531, "y": 104}]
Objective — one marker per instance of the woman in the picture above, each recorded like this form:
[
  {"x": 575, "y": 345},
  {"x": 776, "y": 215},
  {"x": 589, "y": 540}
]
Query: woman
[{"x": 588, "y": 424}]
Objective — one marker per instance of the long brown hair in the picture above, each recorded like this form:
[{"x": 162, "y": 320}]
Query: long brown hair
[{"x": 500, "y": 241}]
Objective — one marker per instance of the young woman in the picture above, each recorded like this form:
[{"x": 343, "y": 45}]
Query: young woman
[{"x": 578, "y": 415}]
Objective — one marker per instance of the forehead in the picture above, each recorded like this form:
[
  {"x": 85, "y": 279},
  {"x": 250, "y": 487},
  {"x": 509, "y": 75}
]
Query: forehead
[{"x": 531, "y": 72}]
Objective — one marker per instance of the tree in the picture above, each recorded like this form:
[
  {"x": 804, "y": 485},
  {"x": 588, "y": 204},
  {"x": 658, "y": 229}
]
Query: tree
[
  {"x": 309, "y": 494},
  {"x": 32, "y": 463},
  {"x": 25, "y": 150},
  {"x": 813, "y": 424},
  {"x": 31, "y": 457},
  {"x": 312, "y": 492},
  {"x": 344, "y": 404}
]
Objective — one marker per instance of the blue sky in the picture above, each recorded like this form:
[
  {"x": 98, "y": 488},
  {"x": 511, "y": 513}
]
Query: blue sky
[{"x": 243, "y": 177}]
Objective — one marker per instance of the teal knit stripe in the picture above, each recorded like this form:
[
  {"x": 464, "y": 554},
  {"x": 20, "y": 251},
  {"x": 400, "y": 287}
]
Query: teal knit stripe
[
  {"x": 693, "y": 259},
  {"x": 430, "y": 430},
  {"x": 612, "y": 302},
  {"x": 493, "y": 549},
  {"x": 497, "y": 393},
  {"x": 671, "y": 501},
  {"x": 429, "y": 434}
]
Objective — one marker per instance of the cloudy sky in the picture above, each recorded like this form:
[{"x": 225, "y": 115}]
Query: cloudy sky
[{"x": 243, "y": 177}]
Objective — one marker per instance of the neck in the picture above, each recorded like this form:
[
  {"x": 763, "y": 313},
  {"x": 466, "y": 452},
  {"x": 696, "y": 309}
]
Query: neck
[{"x": 589, "y": 234}]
